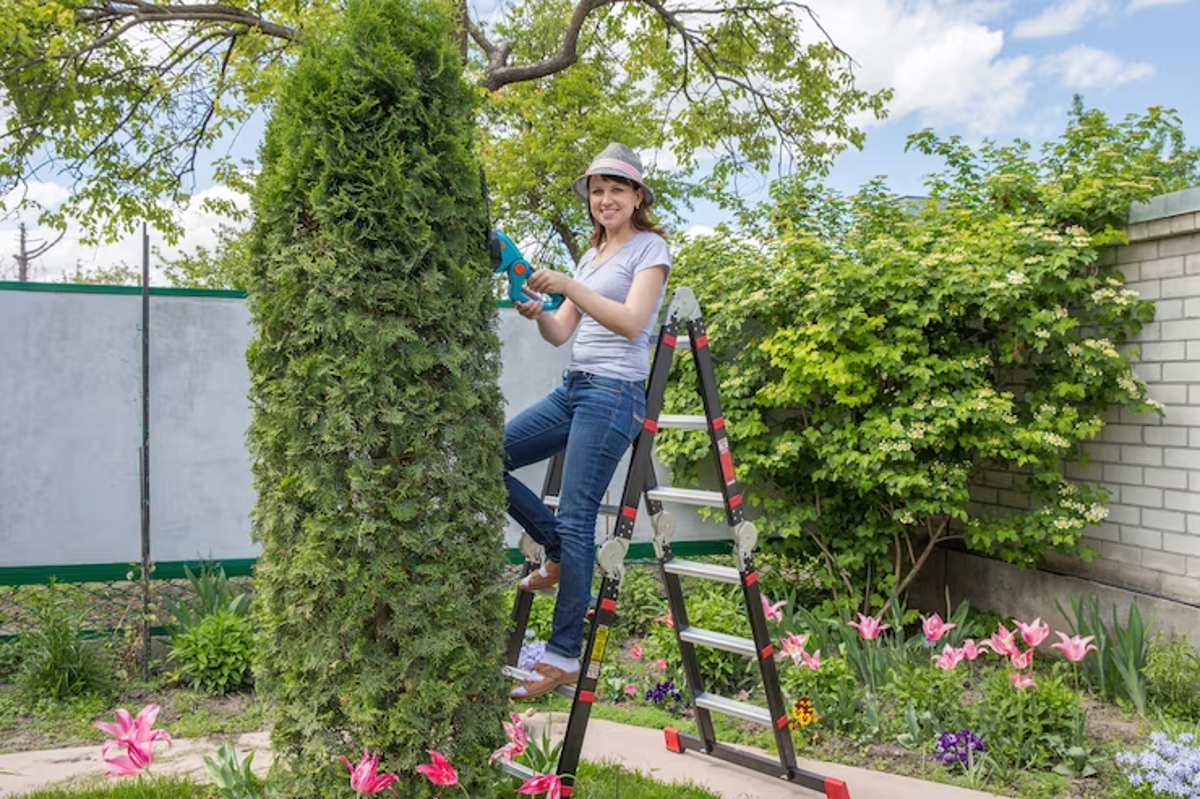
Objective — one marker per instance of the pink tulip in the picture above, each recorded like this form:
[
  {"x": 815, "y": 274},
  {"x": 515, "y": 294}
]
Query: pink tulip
[
  {"x": 1074, "y": 648},
  {"x": 667, "y": 620},
  {"x": 549, "y": 784},
  {"x": 772, "y": 611},
  {"x": 793, "y": 645},
  {"x": 1022, "y": 660},
  {"x": 518, "y": 741},
  {"x": 439, "y": 772},
  {"x": 812, "y": 661},
  {"x": 1035, "y": 632},
  {"x": 970, "y": 649},
  {"x": 868, "y": 627},
  {"x": 1002, "y": 642},
  {"x": 1020, "y": 680},
  {"x": 935, "y": 628},
  {"x": 949, "y": 658},
  {"x": 365, "y": 779},
  {"x": 631, "y": 690},
  {"x": 661, "y": 663},
  {"x": 636, "y": 651}
]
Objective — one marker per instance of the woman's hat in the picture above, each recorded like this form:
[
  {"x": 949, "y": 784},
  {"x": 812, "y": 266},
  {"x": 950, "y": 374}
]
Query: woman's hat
[{"x": 615, "y": 161}]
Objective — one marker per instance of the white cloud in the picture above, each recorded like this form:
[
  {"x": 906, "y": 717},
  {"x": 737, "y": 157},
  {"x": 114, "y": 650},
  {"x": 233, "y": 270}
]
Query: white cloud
[
  {"x": 1060, "y": 18},
  {"x": 200, "y": 229},
  {"x": 1138, "y": 5},
  {"x": 942, "y": 58},
  {"x": 1083, "y": 67}
]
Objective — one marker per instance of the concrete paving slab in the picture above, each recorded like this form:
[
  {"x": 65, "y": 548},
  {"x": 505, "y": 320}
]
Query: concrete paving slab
[{"x": 634, "y": 747}]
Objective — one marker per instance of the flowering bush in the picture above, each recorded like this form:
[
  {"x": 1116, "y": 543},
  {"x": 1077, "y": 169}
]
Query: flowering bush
[{"x": 1168, "y": 767}]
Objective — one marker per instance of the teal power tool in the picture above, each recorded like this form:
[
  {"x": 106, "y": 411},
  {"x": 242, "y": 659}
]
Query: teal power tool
[{"x": 508, "y": 259}]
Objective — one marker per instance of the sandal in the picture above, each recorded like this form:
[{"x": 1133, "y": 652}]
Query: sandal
[
  {"x": 540, "y": 579},
  {"x": 550, "y": 677}
]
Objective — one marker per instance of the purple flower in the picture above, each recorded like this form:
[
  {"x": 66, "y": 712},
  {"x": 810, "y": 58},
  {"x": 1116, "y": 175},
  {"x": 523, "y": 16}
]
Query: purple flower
[
  {"x": 531, "y": 653},
  {"x": 962, "y": 746},
  {"x": 1169, "y": 767}
]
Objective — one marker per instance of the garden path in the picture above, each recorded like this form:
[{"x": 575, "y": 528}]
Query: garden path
[{"x": 635, "y": 747}]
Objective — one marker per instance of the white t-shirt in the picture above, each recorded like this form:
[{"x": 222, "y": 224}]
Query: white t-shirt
[{"x": 597, "y": 349}]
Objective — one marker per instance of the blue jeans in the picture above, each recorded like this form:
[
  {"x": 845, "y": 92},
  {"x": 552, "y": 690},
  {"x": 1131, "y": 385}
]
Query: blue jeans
[{"x": 594, "y": 419}]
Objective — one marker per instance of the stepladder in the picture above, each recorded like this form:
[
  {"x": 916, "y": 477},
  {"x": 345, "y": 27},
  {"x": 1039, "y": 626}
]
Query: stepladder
[{"x": 683, "y": 327}]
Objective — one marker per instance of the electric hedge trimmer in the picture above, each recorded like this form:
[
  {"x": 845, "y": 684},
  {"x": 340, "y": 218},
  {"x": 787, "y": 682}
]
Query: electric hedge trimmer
[{"x": 507, "y": 258}]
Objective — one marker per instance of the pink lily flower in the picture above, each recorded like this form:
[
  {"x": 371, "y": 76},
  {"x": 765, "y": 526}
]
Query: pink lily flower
[
  {"x": 439, "y": 772},
  {"x": 550, "y": 784},
  {"x": 518, "y": 741},
  {"x": 949, "y": 658},
  {"x": 667, "y": 620},
  {"x": 133, "y": 731},
  {"x": 1075, "y": 648},
  {"x": 792, "y": 644},
  {"x": 772, "y": 611},
  {"x": 868, "y": 627},
  {"x": 133, "y": 761},
  {"x": 661, "y": 663},
  {"x": 636, "y": 651},
  {"x": 935, "y": 628},
  {"x": 1035, "y": 632},
  {"x": 631, "y": 690},
  {"x": 365, "y": 777},
  {"x": 970, "y": 649},
  {"x": 1002, "y": 642},
  {"x": 812, "y": 661},
  {"x": 1020, "y": 680},
  {"x": 1023, "y": 660}
]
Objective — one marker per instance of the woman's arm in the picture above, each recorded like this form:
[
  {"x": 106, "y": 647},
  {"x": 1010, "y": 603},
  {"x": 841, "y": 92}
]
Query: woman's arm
[
  {"x": 625, "y": 319},
  {"x": 556, "y": 327}
]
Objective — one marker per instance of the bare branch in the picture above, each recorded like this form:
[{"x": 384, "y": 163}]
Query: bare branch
[{"x": 499, "y": 74}]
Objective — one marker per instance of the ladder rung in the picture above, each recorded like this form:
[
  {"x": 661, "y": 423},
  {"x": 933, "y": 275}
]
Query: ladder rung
[
  {"x": 606, "y": 510},
  {"x": 732, "y": 707},
  {"x": 681, "y": 422},
  {"x": 727, "y": 643},
  {"x": 512, "y": 672},
  {"x": 518, "y": 770},
  {"x": 692, "y": 568},
  {"x": 688, "y": 496}
]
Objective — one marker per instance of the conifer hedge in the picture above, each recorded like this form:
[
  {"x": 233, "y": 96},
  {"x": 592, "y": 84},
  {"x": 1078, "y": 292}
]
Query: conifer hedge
[{"x": 378, "y": 421}]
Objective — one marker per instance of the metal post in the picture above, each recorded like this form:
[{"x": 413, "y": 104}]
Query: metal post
[{"x": 145, "y": 462}]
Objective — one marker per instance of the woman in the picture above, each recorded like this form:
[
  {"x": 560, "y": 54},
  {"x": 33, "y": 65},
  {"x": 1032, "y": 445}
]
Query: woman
[{"x": 595, "y": 414}]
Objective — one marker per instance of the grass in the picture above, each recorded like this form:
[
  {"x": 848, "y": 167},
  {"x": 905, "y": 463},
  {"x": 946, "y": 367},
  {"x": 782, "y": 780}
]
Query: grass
[{"x": 126, "y": 788}]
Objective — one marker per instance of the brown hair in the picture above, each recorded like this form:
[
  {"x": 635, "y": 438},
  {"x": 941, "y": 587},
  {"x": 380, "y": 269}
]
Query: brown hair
[{"x": 641, "y": 215}]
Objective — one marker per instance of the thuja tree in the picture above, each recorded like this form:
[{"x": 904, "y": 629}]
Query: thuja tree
[
  {"x": 377, "y": 424},
  {"x": 877, "y": 356}
]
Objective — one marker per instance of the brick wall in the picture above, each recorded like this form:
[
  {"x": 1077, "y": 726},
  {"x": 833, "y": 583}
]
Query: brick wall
[{"x": 1151, "y": 465}]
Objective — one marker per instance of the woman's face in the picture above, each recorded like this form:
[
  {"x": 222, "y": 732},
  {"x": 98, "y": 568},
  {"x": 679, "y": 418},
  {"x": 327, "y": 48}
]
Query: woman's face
[{"x": 612, "y": 202}]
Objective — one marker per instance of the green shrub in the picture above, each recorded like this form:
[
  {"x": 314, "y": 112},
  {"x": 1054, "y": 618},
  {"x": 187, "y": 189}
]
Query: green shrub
[
  {"x": 215, "y": 654},
  {"x": 642, "y": 600},
  {"x": 210, "y": 593},
  {"x": 541, "y": 614},
  {"x": 1173, "y": 677},
  {"x": 10, "y": 660},
  {"x": 833, "y": 691},
  {"x": 929, "y": 690},
  {"x": 56, "y": 661},
  {"x": 1025, "y": 728},
  {"x": 377, "y": 429}
]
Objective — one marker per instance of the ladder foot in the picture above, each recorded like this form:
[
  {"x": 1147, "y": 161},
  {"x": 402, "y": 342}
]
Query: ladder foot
[
  {"x": 672, "y": 736},
  {"x": 836, "y": 789}
]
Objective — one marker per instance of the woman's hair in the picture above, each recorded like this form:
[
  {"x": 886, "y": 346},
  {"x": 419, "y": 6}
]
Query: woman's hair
[{"x": 641, "y": 215}]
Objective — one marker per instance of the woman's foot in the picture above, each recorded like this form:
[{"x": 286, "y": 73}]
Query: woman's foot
[
  {"x": 540, "y": 579},
  {"x": 548, "y": 678}
]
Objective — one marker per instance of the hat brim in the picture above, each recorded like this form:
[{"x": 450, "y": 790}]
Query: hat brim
[{"x": 579, "y": 185}]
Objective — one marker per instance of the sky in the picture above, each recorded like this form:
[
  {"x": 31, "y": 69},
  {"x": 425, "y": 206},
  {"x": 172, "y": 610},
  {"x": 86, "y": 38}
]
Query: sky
[{"x": 981, "y": 69}]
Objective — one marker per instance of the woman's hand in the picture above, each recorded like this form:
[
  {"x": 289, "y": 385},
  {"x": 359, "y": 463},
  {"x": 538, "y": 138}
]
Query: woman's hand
[
  {"x": 530, "y": 310},
  {"x": 547, "y": 281}
]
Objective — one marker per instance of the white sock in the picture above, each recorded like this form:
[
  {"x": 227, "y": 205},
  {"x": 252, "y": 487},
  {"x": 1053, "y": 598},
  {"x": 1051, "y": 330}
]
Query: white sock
[{"x": 560, "y": 662}]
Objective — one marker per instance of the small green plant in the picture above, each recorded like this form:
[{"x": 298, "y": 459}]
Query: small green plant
[
  {"x": 833, "y": 690},
  {"x": 1118, "y": 670},
  {"x": 210, "y": 593},
  {"x": 1078, "y": 754},
  {"x": 717, "y": 607},
  {"x": 56, "y": 662},
  {"x": 231, "y": 778},
  {"x": 919, "y": 727},
  {"x": 1173, "y": 677},
  {"x": 10, "y": 660},
  {"x": 641, "y": 601},
  {"x": 1025, "y": 727},
  {"x": 932, "y": 691},
  {"x": 215, "y": 655}
]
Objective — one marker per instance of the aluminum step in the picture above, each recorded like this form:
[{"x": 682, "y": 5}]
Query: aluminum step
[
  {"x": 513, "y": 673},
  {"x": 707, "y": 571},
  {"x": 683, "y": 422},
  {"x": 732, "y": 707},
  {"x": 688, "y": 496},
  {"x": 715, "y": 640},
  {"x": 551, "y": 502},
  {"x": 518, "y": 770}
]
